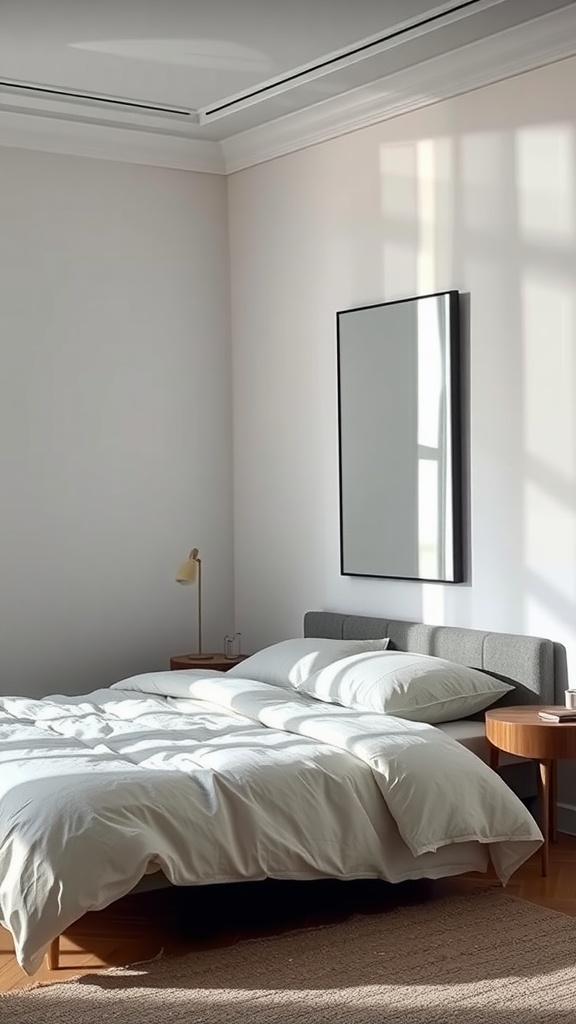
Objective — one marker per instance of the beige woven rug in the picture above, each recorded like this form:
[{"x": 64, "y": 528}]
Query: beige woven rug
[{"x": 484, "y": 958}]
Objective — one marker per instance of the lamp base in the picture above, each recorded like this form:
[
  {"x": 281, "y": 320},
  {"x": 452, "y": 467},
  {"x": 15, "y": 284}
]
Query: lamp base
[{"x": 198, "y": 657}]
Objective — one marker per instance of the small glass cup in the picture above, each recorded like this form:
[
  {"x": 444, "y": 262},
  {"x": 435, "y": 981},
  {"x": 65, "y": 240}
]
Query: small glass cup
[{"x": 232, "y": 646}]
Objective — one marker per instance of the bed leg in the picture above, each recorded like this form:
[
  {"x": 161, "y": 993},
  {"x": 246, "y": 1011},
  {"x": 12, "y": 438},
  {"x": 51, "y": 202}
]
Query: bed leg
[{"x": 53, "y": 955}]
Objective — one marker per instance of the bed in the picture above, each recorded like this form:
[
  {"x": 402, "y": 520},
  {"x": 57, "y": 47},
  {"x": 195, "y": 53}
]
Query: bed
[{"x": 195, "y": 778}]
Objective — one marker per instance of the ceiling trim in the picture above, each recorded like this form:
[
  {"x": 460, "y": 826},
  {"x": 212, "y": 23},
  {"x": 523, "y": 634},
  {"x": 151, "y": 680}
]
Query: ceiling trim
[
  {"x": 516, "y": 50},
  {"x": 533, "y": 44},
  {"x": 396, "y": 36},
  {"x": 30, "y": 93},
  {"x": 77, "y": 138}
]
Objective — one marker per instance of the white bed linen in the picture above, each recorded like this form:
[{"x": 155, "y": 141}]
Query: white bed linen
[{"x": 212, "y": 780}]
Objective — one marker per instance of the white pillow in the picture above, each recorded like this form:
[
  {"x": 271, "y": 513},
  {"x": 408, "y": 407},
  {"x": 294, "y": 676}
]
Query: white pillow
[
  {"x": 291, "y": 662},
  {"x": 414, "y": 686}
]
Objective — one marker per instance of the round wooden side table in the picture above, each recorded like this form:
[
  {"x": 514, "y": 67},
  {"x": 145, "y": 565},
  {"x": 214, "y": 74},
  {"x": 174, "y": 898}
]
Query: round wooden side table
[{"x": 519, "y": 730}]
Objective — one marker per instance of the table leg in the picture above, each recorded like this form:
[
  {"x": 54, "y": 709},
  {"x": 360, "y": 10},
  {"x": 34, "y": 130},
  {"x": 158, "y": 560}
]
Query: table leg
[
  {"x": 494, "y": 756},
  {"x": 553, "y": 800},
  {"x": 545, "y": 771}
]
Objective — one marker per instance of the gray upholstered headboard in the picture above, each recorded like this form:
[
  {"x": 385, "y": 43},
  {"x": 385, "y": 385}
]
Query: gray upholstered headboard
[{"x": 536, "y": 667}]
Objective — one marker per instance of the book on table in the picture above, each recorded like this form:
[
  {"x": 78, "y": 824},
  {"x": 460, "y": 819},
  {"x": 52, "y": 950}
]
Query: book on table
[{"x": 559, "y": 715}]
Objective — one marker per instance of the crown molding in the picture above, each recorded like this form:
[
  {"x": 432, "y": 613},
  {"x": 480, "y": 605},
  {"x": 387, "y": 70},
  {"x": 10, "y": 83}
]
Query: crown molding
[
  {"x": 533, "y": 44},
  {"x": 545, "y": 40},
  {"x": 78, "y": 138}
]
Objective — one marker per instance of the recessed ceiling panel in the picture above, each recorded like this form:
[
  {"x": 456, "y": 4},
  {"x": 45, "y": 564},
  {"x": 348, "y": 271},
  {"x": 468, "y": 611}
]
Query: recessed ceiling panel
[{"x": 189, "y": 53}]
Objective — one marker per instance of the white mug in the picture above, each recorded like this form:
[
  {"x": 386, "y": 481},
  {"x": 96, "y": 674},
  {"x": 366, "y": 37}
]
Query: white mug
[{"x": 570, "y": 698}]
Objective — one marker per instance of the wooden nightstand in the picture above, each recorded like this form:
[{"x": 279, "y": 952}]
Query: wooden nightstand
[
  {"x": 519, "y": 730},
  {"x": 215, "y": 662}
]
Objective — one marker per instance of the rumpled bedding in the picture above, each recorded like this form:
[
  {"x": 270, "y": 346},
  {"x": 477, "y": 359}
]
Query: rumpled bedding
[{"x": 212, "y": 779}]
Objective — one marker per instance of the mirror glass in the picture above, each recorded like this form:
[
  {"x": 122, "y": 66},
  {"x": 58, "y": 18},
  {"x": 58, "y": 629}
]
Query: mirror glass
[{"x": 399, "y": 439}]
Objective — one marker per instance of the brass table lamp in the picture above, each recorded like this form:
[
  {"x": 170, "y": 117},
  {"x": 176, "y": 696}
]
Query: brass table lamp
[{"x": 189, "y": 573}]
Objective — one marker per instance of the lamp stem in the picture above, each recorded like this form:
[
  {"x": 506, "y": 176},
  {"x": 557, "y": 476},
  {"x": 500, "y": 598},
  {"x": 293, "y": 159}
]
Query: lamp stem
[{"x": 199, "y": 606}]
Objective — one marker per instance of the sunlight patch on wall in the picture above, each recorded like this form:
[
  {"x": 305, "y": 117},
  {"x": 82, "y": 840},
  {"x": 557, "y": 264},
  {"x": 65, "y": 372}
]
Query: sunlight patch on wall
[
  {"x": 417, "y": 204},
  {"x": 398, "y": 170},
  {"x": 550, "y": 544},
  {"x": 426, "y": 171},
  {"x": 541, "y": 620},
  {"x": 549, "y": 329},
  {"x": 482, "y": 158},
  {"x": 433, "y": 604},
  {"x": 399, "y": 266},
  {"x": 545, "y": 183},
  {"x": 399, "y": 208}
]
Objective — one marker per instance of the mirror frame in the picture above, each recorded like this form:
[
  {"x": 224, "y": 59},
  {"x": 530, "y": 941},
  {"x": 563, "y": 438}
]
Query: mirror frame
[{"x": 454, "y": 422}]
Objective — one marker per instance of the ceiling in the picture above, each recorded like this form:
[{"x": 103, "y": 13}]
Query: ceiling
[{"x": 211, "y": 70}]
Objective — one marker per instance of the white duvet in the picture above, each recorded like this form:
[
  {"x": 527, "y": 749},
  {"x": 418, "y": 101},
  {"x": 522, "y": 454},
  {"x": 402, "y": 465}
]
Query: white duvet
[{"x": 213, "y": 779}]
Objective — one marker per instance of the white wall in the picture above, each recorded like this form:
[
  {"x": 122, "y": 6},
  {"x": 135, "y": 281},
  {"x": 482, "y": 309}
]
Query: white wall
[
  {"x": 115, "y": 423},
  {"x": 479, "y": 194}
]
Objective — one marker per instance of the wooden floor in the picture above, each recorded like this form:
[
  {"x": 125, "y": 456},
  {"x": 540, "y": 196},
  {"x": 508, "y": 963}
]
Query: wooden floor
[{"x": 177, "y": 921}]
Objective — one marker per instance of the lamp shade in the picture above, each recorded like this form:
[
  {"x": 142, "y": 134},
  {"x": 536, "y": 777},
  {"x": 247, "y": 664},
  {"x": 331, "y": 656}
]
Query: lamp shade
[{"x": 188, "y": 571}]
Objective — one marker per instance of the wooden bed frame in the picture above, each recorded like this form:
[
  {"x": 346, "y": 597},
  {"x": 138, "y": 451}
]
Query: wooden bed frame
[{"x": 535, "y": 666}]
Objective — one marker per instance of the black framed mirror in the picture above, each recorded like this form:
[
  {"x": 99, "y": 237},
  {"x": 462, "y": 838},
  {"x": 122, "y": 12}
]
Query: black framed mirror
[{"x": 399, "y": 427}]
